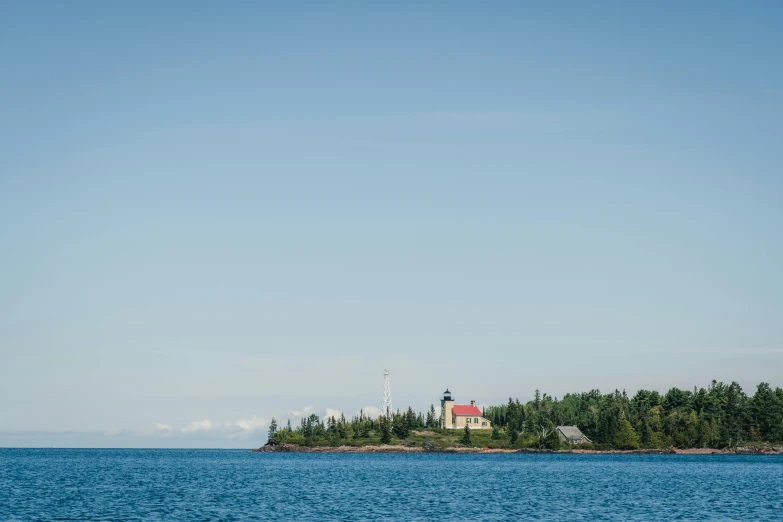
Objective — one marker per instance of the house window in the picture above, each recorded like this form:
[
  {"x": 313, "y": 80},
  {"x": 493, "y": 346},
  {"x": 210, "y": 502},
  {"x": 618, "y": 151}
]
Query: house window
[
  {"x": 483, "y": 423},
  {"x": 468, "y": 421},
  {"x": 475, "y": 421}
]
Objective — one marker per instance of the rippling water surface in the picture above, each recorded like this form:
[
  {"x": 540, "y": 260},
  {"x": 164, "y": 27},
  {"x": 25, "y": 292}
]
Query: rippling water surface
[{"x": 61, "y": 484}]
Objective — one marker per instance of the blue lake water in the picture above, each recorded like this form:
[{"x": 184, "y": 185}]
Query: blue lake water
[{"x": 126, "y": 484}]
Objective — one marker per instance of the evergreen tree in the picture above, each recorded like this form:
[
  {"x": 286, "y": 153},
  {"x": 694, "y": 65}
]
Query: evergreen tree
[
  {"x": 610, "y": 411},
  {"x": 432, "y": 421},
  {"x": 735, "y": 414},
  {"x": 495, "y": 433},
  {"x": 705, "y": 432},
  {"x": 766, "y": 413},
  {"x": 334, "y": 438},
  {"x": 400, "y": 425},
  {"x": 272, "y": 431},
  {"x": 514, "y": 436},
  {"x": 676, "y": 398},
  {"x": 410, "y": 420},
  {"x": 646, "y": 430},
  {"x": 625, "y": 437},
  {"x": 385, "y": 429},
  {"x": 466, "y": 436},
  {"x": 521, "y": 419},
  {"x": 552, "y": 441},
  {"x": 777, "y": 426},
  {"x": 317, "y": 429}
]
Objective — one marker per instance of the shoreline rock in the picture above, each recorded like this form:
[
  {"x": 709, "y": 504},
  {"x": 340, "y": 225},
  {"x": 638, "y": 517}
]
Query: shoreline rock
[{"x": 295, "y": 448}]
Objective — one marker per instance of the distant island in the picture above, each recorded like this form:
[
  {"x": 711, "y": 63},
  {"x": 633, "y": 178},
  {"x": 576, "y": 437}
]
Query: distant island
[{"x": 718, "y": 419}]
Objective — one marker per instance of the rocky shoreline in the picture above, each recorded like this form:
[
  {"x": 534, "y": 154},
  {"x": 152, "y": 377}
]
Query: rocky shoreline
[{"x": 296, "y": 448}]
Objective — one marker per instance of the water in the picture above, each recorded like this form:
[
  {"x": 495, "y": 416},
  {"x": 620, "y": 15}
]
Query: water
[{"x": 61, "y": 484}]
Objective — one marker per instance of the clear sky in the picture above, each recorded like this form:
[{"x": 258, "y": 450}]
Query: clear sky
[{"x": 216, "y": 213}]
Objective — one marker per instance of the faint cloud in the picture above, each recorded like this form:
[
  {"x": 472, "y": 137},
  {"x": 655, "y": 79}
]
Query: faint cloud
[
  {"x": 251, "y": 424},
  {"x": 163, "y": 427},
  {"x": 204, "y": 425},
  {"x": 201, "y": 433},
  {"x": 330, "y": 412},
  {"x": 307, "y": 410},
  {"x": 239, "y": 429},
  {"x": 370, "y": 411},
  {"x": 120, "y": 433}
]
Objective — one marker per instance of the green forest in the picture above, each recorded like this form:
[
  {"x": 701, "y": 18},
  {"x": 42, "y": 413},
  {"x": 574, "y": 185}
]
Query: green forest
[{"x": 720, "y": 416}]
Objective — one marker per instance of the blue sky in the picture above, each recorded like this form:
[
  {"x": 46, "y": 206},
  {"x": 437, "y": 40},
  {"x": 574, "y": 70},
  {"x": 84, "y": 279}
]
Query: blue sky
[{"x": 212, "y": 215}]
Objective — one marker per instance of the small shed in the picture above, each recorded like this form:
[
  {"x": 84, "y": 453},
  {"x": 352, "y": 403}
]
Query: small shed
[{"x": 571, "y": 435}]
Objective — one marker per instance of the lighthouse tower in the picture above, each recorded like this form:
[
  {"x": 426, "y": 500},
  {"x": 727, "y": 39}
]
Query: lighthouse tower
[{"x": 446, "y": 404}]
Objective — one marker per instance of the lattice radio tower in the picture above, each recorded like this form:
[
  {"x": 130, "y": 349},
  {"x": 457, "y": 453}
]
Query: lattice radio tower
[{"x": 386, "y": 407}]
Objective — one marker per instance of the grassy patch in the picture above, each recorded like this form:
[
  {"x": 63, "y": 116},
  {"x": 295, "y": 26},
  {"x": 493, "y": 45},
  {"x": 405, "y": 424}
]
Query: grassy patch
[{"x": 437, "y": 438}]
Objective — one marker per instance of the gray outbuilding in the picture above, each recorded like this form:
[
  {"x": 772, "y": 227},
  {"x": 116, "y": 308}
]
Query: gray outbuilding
[{"x": 571, "y": 435}]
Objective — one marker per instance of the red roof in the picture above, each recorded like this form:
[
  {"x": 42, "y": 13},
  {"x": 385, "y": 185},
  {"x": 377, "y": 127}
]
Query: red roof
[{"x": 466, "y": 410}]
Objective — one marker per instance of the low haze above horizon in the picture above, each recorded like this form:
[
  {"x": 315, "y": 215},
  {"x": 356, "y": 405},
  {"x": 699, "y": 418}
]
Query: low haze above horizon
[{"x": 212, "y": 214}]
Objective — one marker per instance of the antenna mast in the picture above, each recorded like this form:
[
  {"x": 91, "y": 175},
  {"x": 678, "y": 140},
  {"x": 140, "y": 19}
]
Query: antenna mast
[{"x": 386, "y": 406}]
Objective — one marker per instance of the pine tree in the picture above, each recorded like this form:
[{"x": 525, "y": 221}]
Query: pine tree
[
  {"x": 552, "y": 441},
  {"x": 735, "y": 414},
  {"x": 511, "y": 414},
  {"x": 272, "y": 431},
  {"x": 432, "y": 419},
  {"x": 399, "y": 425},
  {"x": 514, "y": 436},
  {"x": 385, "y": 430},
  {"x": 495, "y": 433},
  {"x": 519, "y": 419},
  {"x": 410, "y": 420},
  {"x": 765, "y": 412},
  {"x": 625, "y": 437},
  {"x": 466, "y": 436}
]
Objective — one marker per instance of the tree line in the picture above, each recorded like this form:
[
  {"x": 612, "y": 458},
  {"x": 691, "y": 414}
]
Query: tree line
[
  {"x": 333, "y": 430},
  {"x": 719, "y": 416}
]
